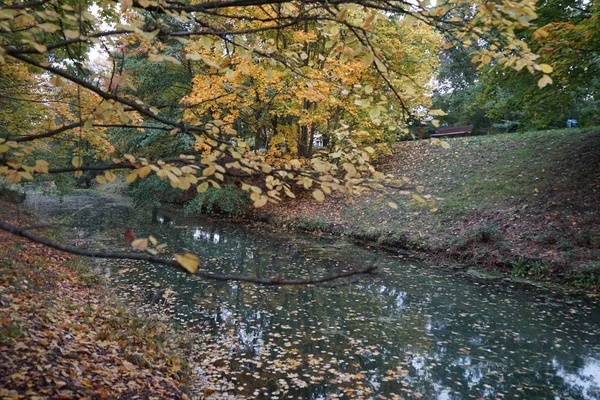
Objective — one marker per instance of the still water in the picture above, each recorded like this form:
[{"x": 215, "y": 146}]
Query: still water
[{"x": 412, "y": 331}]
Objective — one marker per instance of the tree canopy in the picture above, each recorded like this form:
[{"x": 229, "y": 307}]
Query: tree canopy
[
  {"x": 200, "y": 92},
  {"x": 565, "y": 37}
]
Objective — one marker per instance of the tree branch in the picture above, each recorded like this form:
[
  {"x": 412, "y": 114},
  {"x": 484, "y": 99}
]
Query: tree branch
[{"x": 172, "y": 263}]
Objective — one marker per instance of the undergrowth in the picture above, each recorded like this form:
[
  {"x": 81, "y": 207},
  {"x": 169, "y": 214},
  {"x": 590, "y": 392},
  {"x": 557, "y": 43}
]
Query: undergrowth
[{"x": 228, "y": 200}]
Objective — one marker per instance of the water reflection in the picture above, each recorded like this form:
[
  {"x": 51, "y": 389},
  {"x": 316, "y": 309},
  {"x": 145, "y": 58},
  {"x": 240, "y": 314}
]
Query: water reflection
[
  {"x": 411, "y": 332},
  {"x": 212, "y": 237}
]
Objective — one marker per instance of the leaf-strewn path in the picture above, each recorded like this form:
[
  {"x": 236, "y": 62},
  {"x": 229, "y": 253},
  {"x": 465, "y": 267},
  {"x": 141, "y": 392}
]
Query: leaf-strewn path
[{"x": 62, "y": 337}]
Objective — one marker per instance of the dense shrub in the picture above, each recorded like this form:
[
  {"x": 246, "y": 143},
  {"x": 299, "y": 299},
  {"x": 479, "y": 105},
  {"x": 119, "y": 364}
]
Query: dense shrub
[
  {"x": 11, "y": 193},
  {"x": 586, "y": 276},
  {"x": 229, "y": 200},
  {"x": 153, "y": 191}
]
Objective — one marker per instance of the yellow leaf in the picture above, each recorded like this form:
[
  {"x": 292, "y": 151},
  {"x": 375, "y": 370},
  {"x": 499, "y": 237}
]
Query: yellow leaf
[
  {"x": 131, "y": 177},
  {"x": 110, "y": 176},
  {"x": 49, "y": 27},
  {"x": 392, "y": 205},
  {"x": 140, "y": 244},
  {"x": 77, "y": 174},
  {"x": 163, "y": 57},
  {"x": 41, "y": 166},
  {"x": 39, "y": 47},
  {"x": 367, "y": 59},
  {"x": 318, "y": 195},
  {"x": 26, "y": 175},
  {"x": 203, "y": 187},
  {"x": 544, "y": 80},
  {"x": 144, "y": 171},
  {"x": 547, "y": 69},
  {"x": 3, "y": 148},
  {"x": 77, "y": 161},
  {"x": 190, "y": 262},
  {"x": 152, "y": 240},
  {"x": 57, "y": 81},
  {"x": 100, "y": 179},
  {"x": 184, "y": 184},
  {"x": 69, "y": 34},
  {"x": 418, "y": 198},
  {"x": 209, "y": 170},
  {"x": 261, "y": 201},
  {"x": 88, "y": 123},
  {"x": 125, "y": 4}
]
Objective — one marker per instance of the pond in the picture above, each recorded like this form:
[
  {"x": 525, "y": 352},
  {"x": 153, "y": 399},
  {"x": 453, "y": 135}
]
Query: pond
[{"x": 411, "y": 331}]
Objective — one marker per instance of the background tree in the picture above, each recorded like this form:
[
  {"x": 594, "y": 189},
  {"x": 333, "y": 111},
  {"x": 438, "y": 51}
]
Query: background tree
[{"x": 565, "y": 37}]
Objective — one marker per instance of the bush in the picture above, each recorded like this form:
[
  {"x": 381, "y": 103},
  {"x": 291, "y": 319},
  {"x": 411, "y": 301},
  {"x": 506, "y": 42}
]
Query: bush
[
  {"x": 586, "y": 276},
  {"x": 11, "y": 193},
  {"x": 229, "y": 200},
  {"x": 153, "y": 191},
  {"x": 522, "y": 268},
  {"x": 506, "y": 126},
  {"x": 487, "y": 233},
  {"x": 310, "y": 224}
]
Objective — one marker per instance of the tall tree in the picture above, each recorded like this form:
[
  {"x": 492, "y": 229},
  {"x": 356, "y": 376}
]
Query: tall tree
[{"x": 565, "y": 37}]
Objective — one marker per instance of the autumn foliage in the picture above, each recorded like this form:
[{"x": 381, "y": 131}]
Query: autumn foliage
[{"x": 249, "y": 89}]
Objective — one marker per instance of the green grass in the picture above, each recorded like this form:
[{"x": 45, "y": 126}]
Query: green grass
[{"x": 499, "y": 197}]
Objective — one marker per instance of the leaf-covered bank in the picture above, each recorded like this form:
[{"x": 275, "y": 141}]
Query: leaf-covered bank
[
  {"x": 62, "y": 335},
  {"x": 525, "y": 203}
]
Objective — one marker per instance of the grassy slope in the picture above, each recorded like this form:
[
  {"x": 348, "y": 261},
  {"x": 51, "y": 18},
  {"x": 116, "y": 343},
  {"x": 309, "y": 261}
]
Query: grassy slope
[{"x": 502, "y": 198}]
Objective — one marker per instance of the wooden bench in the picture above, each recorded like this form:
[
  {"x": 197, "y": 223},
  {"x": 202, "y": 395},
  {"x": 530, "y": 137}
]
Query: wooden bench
[{"x": 453, "y": 131}]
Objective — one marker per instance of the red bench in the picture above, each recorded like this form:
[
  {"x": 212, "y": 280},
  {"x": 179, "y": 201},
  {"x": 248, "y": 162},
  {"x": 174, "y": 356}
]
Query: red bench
[{"x": 453, "y": 131}]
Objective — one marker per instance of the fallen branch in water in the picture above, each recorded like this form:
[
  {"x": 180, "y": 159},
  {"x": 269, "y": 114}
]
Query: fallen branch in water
[{"x": 23, "y": 232}]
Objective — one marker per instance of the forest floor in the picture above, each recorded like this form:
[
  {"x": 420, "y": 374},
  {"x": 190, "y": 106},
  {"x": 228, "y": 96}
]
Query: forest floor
[
  {"x": 63, "y": 336},
  {"x": 525, "y": 203}
]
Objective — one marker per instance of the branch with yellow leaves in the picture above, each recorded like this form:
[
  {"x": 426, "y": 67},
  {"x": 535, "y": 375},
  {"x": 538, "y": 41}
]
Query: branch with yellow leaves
[{"x": 181, "y": 262}]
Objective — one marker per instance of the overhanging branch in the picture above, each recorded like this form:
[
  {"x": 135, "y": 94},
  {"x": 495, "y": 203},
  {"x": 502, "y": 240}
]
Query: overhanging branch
[{"x": 172, "y": 263}]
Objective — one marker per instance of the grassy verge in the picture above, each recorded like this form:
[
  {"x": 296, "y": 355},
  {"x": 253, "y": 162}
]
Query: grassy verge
[
  {"x": 62, "y": 335},
  {"x": 530, "y": 199}
]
